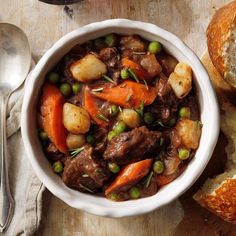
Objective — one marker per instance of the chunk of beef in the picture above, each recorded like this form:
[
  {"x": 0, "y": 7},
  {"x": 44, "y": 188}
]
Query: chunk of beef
[
  {"x": 109, "y": 56},
  {"x": 100, "y": 136},
  {"x": 150, "y": 64},
  {"x": 163, "y": 88},
  {"x": 85, "y": 172},
  {"x": 132, "y": 42},
  {"x": 167, "y": 62},
  {"x": 53, "y": 153},
  {"x": 132, "y": 146}
]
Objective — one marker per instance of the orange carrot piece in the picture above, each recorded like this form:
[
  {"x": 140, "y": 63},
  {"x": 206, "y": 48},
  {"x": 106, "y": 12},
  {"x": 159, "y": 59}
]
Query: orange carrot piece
[
  {"x": 129, "y": 176},
  {"x": 138, "y": 70},
  {"x": 92, "y": 108},
  {"x": 52, "y": 121},
  {"x": 128, "y": 94}
]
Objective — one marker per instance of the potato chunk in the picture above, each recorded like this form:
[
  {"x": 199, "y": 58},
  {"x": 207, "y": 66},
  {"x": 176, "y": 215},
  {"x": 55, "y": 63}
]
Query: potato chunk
[
  {"x": 75, "y": 140},
  {"x": 88, "y": 68},
  {"x": 130, "y": 117},
  {"x": 190, "y": 132},
  {"x": 75, "y": 119},
  {"x": 181, "y": 80}
]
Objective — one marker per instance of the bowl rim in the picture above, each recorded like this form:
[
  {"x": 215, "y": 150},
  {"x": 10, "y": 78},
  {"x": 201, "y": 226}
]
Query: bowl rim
[{"x": 93, "y": 207}]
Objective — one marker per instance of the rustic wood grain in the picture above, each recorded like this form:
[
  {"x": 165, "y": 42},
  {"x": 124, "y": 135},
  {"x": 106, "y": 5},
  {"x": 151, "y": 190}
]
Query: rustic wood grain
[{"x": 44, "y": 24}]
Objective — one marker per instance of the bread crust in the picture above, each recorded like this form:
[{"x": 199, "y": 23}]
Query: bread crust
[
  {"x": 218, "y": 32},
  {"x": 222, "y": 202},
  {"x": 224, "y": 90}
]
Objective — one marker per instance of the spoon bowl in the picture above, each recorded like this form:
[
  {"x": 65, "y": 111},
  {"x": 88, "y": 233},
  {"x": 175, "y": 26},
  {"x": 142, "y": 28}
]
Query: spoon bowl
[{"x": 15, "y": 58}]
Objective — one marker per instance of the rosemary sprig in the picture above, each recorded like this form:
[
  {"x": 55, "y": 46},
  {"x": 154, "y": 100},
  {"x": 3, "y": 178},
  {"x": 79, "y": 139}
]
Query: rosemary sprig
[
  {"x": 140, "y": 111},
  {"x": 97, "y": 90},
  {"x": 161, "y": 141},
  {"x": 102, "y": 117},
  {"x": 148, "y": 181},
  {"x": 123, "y": 85},
  {"x": 108, "y": 79},
  {"x": 139, "y": 53},
  {"x": 158, "y": 122},
  {"x": 85, "y": 175},
  {"x": 129, "y": 97},
  {"x": 145, "y": 84},
  {"x": 86, "y": 188},
  {"x": 133, "y": 75},
  {"x": 74, "y": 152}
]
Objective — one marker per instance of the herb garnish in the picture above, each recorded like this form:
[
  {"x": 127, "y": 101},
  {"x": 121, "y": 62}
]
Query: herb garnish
[
  {"x": 139, "y": 53},
  {"x": 140, "y": 111},
  {"x": 158, "y": 122},
  {"x": 129, "y": 98},
  {"x": 74, "y": 152},
  {"x": 133, "y": 75},
  {"x": 108, "y": 79},
  {"x": 102, "y": 117},
  {"x": 86, "y": 188},
  {"x": 145, "y": 84},
  {"x": 97, "y": 90},
  {"x": 148, "y": 181}
]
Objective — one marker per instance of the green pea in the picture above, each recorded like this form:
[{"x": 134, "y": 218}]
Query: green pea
[
  {"x": 124, "y": 74},
  {"x": 158, "y": 167},
  {"x": 111, "y": 135},
  {"x": 148, "y": 118},
  {"x": 57, "y": 167},
  {"x": 43, "y": 136},
  {"x": 114, "y": 110},
  {"x": 134, "y": 192},
  {"x": 99, "y": 43},
  {"x": 76, "y": 88},
  {"x": 65, "y": 89},
  {"x": 120, "y": 127},
  {"x": 111, "y": 40},
  {"x": 183, "y": 153},
  {"x": 184, "y": 112},
  {"x": 114, "y": 197},
  {"x": 114, "y": 168},
  {"x": 90, "y": 139},
  {"x": 53, "y": 77},
  {"x": 154, "y": 47}
]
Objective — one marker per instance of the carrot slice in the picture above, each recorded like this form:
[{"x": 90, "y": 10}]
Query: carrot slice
[
  {"x": 128, "y": 94},
  {"x": 138, "y": 70},
  {"x": 52, "y": 121},
  {"x": 129, "y": 176},
  {"x": 92, "y": 108}
]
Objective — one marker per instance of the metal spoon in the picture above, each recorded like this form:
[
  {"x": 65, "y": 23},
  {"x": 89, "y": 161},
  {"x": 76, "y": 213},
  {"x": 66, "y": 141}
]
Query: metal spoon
[{"x": 15, "y": 58}]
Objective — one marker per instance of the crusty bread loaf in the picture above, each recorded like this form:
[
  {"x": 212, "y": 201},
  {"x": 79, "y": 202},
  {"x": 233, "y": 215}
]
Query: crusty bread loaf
[
  {"x": 223, "y": 89},
  {"x": 219, "y": 194},
  {"x": 221, "y": 38}
]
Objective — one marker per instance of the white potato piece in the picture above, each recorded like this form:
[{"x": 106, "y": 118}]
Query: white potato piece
[
  {"x": 190, "y": 132},
  {"x": 75, "y": 119},
  {"x": 88, "y": 68},
  {"x": 181, "y": 80},
  {"x": 75, "y": 140},
  {"x": 130, "y": 117}
]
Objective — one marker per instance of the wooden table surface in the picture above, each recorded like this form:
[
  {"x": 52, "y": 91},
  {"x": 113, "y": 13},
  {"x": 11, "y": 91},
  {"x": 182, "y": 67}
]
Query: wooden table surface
[{"x": 44, "y": 24}]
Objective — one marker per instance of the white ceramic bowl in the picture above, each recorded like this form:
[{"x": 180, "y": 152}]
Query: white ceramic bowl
[{"x": 96, "y": 204}]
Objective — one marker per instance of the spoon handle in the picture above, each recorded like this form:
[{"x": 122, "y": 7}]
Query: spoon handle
[{"x": 6, "y": 200}]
